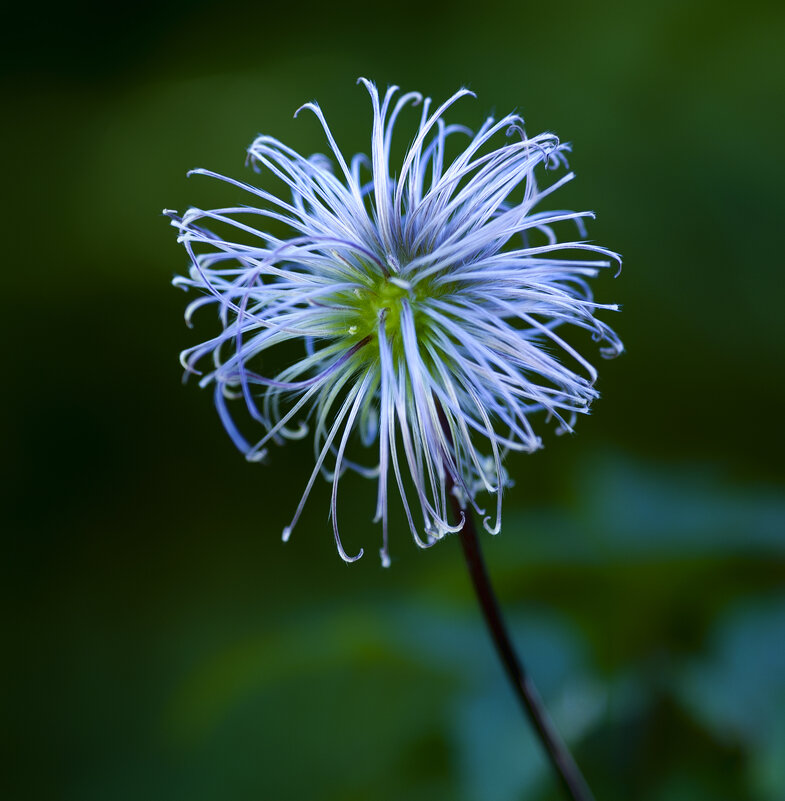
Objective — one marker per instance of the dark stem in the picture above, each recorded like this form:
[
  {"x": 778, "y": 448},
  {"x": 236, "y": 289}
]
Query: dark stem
[{"x": 560, "y": 757}]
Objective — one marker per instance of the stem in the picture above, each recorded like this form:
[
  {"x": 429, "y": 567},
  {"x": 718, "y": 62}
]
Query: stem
[{"x": 560, "y": 757}]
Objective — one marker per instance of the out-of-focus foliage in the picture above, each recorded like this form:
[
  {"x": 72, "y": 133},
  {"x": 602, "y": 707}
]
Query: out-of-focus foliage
[{"x": 162, "y": 643}]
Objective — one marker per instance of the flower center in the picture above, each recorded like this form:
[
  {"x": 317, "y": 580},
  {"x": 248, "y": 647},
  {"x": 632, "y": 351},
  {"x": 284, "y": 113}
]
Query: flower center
[
  {"x": 387, "y": 299},
  {"x": 359, "y": 312}
]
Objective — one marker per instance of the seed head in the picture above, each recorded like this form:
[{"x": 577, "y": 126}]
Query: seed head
[{"x": 430, "y": 300}]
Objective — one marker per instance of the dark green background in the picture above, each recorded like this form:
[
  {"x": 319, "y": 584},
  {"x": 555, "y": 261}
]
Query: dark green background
[{"x": 161, "y": 641}]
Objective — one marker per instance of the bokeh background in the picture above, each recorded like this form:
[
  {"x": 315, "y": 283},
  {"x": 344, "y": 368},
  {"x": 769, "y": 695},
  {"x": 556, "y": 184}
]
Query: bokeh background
[{"x": 163, "y": 644}]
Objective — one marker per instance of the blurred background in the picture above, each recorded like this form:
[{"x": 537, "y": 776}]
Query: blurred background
[{"x": 161, "y": 641}]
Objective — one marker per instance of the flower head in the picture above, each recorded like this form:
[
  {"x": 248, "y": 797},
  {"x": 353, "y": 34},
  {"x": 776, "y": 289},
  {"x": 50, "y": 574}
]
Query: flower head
[{"x": 429, "y": 298}]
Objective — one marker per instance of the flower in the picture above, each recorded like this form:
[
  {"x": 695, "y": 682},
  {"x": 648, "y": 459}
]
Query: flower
[{"x": 429, "y": 298}]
